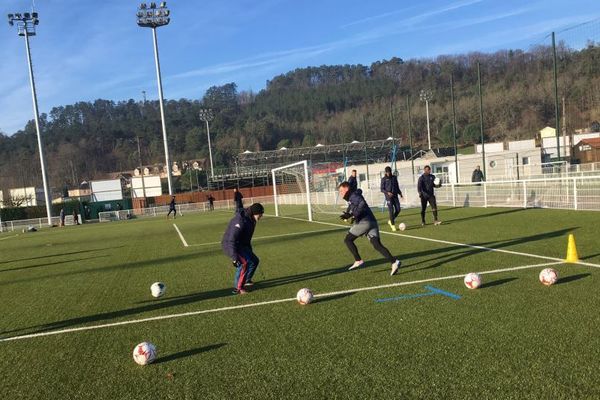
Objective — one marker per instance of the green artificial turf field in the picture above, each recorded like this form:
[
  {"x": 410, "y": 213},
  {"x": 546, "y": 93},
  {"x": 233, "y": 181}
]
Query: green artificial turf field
[{"x": 419, "y": 334}]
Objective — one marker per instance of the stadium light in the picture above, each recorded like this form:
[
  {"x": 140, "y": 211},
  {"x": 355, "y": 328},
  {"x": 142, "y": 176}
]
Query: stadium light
[
  {"x": 426, "y": 96},
  {"x": 26, "y": 23},
  {"x": 154, "y": 18},
  {"x": 206, "y": 115}
]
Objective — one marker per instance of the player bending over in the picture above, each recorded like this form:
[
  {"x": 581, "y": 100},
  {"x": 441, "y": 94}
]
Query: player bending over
[
  {"x": 364, "y": 223},
  {"x": 237, "y": 245}
]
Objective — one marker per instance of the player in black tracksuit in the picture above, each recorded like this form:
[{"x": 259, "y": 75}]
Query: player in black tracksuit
[
  {"x": 425, "y": 187},
  {"x": 237, "y": 198},
  {"x": 352, "y": 181},
  {"x": 172, "y": 208},
  {"x": 363, "y": 224},
  {"x": 237, "y": 245},
  {"x": 391, "y": 190}
]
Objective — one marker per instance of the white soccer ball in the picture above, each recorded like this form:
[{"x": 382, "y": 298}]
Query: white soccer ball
[
  {"x": 144, "y": 353},
  {"x": 548, "y": 276},
  {"x": 436, "y": 181},
  {"x": 304, "y": 296},
  {"x": 158, "y": 289},
  {"x": 472, "y": 280},
  {"x": 402, "y": 226}
]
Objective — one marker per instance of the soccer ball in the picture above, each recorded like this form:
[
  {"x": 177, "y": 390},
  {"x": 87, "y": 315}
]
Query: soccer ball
[
  {"x": 304, "y": 296},
  {"x": 144, "y": 353},
  {"x": 402, "y": 226},
  {"x": 158, "y": 289},
  {"x": 436, "y": 181},
  {"x": 548, "y": 276},
  {"x": 472, "y": 280}
]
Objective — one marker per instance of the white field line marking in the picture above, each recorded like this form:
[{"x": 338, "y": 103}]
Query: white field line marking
[
  {"x": 472, "y": 246},
  {"x": 272, "y": 236},
  {"x": 181, "y": 236},
  {"x": 9, "y": 237},
  {"x": 263, "y": 303}
]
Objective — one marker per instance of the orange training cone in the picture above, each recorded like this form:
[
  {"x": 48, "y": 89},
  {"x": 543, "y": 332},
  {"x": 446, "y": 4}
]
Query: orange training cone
[{"x": 572, "y": 256}]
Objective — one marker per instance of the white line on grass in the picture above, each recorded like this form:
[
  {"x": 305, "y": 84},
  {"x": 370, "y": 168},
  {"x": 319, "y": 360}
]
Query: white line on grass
[
  {"x": 272, "y": 236},
  {"x": 263, "y": 303},
  {"x": 181, "y": 236},
  {"x": 472, "y": 246},
  {"x": 9, "y": 237}
]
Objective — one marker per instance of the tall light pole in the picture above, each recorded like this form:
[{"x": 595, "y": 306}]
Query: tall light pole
[
  {"x": 206, "y": 115},
  {"x": 26, "y": 23},
  {"x": 426, "y": 96},
  {"x": 151, "y": 16}
]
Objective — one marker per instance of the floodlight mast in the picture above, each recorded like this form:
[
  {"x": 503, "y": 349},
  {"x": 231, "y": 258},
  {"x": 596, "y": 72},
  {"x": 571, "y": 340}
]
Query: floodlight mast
[
  {"x": 26, "y": 23},
  {"x": 426, "y": 96},
  {"x": 206, "y": 115},
  {"x": 150, "y": 16}
]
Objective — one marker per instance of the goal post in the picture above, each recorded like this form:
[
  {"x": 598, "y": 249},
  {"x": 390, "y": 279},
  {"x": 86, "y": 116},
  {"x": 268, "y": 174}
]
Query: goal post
[{"x": 294, "y": 187}]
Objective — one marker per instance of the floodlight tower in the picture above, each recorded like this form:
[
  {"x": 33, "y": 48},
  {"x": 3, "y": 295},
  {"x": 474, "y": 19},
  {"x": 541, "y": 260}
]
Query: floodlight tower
[
  {"x": 206, "y": 115},
  {"x": 426, "y": 96},
  {"x": 151, "y": 16},
  {"x": 26, "y": 23}
]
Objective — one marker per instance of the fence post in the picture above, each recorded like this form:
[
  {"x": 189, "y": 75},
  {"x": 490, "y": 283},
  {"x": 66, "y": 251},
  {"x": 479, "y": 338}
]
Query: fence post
[
  {"x": 485, "y": 204},
  {"x": 12, "y": 226},
  {"x": 524, "y": 194},
  {"x": 575, "y": 193},
  {"x": 453, "y": 196},
  {"x": 40, "y": 222}
]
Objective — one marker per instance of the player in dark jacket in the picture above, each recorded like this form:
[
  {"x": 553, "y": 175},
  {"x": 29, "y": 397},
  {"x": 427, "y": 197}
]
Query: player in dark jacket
[
  {"x": 237, "y": 245},
  {"x": 172, "y": 208},
  {"x": 363, "y": 223},
  {"x": 390, "y": 189},
  {"x": 352, "y": 181},
  {"x": 237, "y": 198},
  {"x": 425, "y": 187}
]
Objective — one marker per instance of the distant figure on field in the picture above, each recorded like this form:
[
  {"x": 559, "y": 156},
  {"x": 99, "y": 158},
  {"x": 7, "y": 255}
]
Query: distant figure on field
[
  {"x": 425, "y": 187},
  {"x": 211, "y": 202},
  {"x": 352, "y": 181},
  {"x": 477, "y": 175},
  {"x": 172, "y": 208},
  {"x": 75, "y": 216},
  {"x": 62, "y": 217},
  {"x": 390, "y": 189},
  {"x": 237, "y": 198}
]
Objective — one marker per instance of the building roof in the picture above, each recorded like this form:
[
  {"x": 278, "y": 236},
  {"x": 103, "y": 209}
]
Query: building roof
[{"x": 595, "y": 142}]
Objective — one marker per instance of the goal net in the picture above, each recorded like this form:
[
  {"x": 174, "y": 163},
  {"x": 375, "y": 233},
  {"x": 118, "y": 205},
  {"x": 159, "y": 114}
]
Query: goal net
[{"x": 291, "y": 190}]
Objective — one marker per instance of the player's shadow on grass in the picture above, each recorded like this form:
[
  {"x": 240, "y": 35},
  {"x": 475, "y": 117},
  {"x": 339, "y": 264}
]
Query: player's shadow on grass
[
  {"x": 50, "y": 264},
  {"x": 486, "y": 215},
  {"x": 572, "y": 278},
  {"x": 59, "y": 254},
  {"x": 188, "y": 353},
  {"x": 458, "y": 252},
  {"x": 497, "y": 282},
  {"x": 169, "y": 302}
]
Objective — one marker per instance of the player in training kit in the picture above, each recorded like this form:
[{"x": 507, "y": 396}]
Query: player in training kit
[
  {"x": 425, "y": 187},
  {"x": 237, "y": 199},
  {"x": 363, "y": 223},
  {"x": 390, "y": 189},
  {"x": 237, "y": 246},
  {"x": 172, "y": 208}
]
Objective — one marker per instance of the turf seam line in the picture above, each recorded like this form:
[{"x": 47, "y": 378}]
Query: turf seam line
[
  {"x": 9, "y": 237},
  {"x": 262, "y": 303},
  {"x": 272, "y": 236},
  {"x": 181, "y": 236},
  {"x": 473, "y": 246}
]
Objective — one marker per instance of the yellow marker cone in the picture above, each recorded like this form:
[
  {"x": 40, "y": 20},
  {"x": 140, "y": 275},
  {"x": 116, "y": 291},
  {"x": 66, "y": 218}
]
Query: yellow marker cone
[{"x": 572, "y": 256}]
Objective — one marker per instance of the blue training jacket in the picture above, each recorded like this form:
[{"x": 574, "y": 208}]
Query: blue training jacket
[
  {"x": 238, "y": 234},
  {"x": 358, "y": 206},
  {"x": 390, "y": 184}
]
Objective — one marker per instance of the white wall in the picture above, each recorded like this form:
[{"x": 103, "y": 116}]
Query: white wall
[
  {"x": 490, "y": 147},
  {"x": 521, "y": 144}
]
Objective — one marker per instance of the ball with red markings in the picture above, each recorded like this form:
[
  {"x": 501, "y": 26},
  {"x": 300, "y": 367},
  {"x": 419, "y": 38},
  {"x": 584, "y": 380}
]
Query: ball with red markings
[
  {"x": 304, "y": 296},
  {"x": 548, "y": 276},
  {"x": 144, "y": 353},
  {"x": 472, "y": 280},
  {"x": 402, "y": 226}
]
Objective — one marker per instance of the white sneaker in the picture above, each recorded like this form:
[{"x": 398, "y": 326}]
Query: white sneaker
[
  {"x": 395, "y": 267},
  {"x": 356, "y": 265}
]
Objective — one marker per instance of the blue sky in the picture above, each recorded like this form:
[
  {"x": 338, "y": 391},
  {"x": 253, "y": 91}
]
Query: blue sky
[{"x": 89, "y": 49}]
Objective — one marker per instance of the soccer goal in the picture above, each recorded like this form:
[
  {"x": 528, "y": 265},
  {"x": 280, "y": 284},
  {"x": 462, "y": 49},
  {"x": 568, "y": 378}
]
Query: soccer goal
[{"x": 291, "y": 190}]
